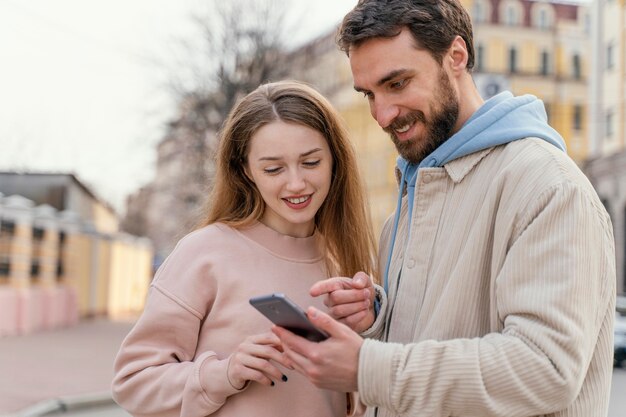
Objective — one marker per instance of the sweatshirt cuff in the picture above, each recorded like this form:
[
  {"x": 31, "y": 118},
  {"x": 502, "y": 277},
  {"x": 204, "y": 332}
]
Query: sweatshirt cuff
[
  {"x": 376, "y": 372},
  {"x": 214, "y": 379}
]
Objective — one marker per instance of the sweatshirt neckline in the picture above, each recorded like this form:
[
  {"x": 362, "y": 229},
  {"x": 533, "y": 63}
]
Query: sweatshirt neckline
[{"x": 304, "y": 249}]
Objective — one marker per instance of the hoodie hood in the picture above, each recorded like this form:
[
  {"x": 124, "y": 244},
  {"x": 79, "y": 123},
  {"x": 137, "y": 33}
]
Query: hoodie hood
[{"x": 500, "y": 120}]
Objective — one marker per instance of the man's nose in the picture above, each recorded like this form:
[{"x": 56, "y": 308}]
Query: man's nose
[{"x": 384, "y": 112}]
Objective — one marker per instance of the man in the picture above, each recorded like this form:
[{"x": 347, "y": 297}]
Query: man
[{"x": 499, "y": 263}]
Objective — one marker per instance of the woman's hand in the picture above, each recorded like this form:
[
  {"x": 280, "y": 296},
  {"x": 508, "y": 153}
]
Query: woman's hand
[{"x": 251, "y": 361}]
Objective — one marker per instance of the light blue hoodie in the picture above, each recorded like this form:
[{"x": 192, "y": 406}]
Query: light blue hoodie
[{"x": 501, "y": 119}]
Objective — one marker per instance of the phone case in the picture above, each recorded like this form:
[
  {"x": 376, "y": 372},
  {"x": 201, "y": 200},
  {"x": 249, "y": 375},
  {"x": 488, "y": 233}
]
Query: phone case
[{"x": 285, "y": 313}]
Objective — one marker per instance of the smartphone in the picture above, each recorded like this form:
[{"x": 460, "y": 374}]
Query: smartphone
[{"x": 285, "y": 313}]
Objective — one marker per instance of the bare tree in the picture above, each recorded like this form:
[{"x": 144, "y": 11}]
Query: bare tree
[{"x": 241, "y": 44}]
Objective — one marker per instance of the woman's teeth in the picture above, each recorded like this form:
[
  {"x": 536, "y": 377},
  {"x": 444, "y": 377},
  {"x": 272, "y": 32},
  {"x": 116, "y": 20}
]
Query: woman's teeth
[{"x": 297, "y": 200}]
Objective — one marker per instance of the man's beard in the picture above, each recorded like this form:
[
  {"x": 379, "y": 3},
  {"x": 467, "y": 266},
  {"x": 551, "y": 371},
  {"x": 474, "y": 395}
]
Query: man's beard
[{"x": 437, "y": 130}]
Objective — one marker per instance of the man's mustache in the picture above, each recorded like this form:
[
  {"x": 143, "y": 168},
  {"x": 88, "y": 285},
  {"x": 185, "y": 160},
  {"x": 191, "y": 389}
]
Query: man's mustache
[{"x": 407, "y": 119}]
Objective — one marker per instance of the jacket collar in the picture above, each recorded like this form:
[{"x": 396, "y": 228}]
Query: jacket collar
[
  {"x": 456, "y": 169},
  {"x": 459, "y": 168}
]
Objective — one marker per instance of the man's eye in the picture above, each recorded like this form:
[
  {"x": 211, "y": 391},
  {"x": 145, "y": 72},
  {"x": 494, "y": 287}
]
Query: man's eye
[
  {"x": 396, "y": 85},
  {"x": 368, "y": 95}
]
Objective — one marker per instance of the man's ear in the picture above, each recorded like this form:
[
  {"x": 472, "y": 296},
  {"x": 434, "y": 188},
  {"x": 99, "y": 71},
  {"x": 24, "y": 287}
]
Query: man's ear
[{"x": 458, "y": 55}]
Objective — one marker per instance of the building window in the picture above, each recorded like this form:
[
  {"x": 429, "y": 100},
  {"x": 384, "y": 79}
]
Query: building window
[
  {"x": 60, "y": 270},
  {"x": 542, "y": 21},
  {"x": 38, "y": 233},
  {"x": 510, "y": 15},
  {"x": 34, "y": 269},
  {"x": 7, "y": 228},
  {"x": 610, "y": 56},
  {"x": 545, "y": 63},
  {"x": 609, "y": 128},
  {"x": 478, "y": 12},
  {"x": 512, "y": 60},
  {"x": 5, "y": 268},
  {"x": 576, "y": 71},
  {"x": 542, "y": 15},
  {"x": 587, "y": 23},
  {"x": 578, "y": 117},
  {"x": 480, "y": 53}
]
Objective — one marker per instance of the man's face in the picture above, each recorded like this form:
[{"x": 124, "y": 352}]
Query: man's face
[{"x": 409, "y": 93}]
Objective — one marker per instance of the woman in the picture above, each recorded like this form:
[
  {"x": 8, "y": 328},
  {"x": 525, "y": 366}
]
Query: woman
[{"x": 287, "y": 209}]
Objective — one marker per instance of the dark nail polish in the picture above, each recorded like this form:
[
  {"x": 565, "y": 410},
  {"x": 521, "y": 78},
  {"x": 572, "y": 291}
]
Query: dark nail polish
[
  {"x": 272, "y": 383},
  {"x": 284, "y": 378}
]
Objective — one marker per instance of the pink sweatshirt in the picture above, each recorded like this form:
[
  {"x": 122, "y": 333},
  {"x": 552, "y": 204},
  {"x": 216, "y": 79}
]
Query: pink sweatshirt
[{"x": 173, "y": 362}]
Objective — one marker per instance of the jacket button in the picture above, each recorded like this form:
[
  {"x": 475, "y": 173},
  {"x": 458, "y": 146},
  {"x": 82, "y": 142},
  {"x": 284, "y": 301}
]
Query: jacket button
[
  {"x": 427, "y": 178},
  {"x": 410, "y": 264}
]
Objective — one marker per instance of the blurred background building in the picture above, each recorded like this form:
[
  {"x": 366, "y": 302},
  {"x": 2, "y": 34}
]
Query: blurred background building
[
  {"x": 527, "y": 47},
  {"x": 62, "y": 256},
  {"x": 58, "y": 241}
]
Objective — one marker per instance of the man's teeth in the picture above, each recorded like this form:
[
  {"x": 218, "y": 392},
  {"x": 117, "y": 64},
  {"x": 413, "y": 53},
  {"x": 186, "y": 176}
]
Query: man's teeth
[
  {"x": 297, "y": 200},
  {"x": 403, "y": 128}
]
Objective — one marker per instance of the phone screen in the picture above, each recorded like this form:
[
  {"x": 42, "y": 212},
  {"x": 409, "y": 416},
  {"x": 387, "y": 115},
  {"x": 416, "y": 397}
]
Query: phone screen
[{"x": 285, "y": 313}]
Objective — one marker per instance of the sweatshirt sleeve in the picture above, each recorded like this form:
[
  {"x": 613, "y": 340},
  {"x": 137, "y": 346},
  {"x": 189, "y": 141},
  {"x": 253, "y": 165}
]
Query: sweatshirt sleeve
[
  {"x": 155, "y": 374},
  {"x": 553, "y": 295},
  {"x": 155, "y": 370}
]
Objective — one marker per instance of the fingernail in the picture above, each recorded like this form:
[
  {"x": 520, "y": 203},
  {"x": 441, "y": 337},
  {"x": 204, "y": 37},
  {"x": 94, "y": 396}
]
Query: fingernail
[
  {"x": 272, "y": 383},
  {"x": 284, "y": 378}
]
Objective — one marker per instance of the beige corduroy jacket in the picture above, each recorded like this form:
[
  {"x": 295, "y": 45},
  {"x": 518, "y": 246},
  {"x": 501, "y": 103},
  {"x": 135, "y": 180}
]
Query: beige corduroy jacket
[{"x": 503, "y": 302}]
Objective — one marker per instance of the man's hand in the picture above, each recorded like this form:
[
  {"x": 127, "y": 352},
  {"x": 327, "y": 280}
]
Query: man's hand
[
  {"x": 349, "y": 300},
  {"x": 331, "y": 364}
]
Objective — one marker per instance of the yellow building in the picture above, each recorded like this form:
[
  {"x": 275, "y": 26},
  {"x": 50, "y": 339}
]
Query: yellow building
[
  {"x": 57, "y": 264},
  {"x": 522, "y": 46},
  {"x": 608, "y": 67},
  {"x": 539, "y": 48}
]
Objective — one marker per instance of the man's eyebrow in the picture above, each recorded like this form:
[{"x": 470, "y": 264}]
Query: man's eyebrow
[{"x": 390, "y": 76}]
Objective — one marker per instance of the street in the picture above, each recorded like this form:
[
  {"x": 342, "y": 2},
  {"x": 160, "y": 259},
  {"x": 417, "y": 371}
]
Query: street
[
  {"x": 74, "y": 366},
  {"x": 617, "y": 405}
]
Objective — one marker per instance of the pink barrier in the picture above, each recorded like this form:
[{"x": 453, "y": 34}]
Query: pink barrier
[
  {"x": 8, "y": 311},
  {"x": 32, "y": 309},
  {"x": 69, "y": 306}
]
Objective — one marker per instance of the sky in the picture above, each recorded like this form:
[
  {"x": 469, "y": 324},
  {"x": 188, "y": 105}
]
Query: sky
[{"x": 83, "y": 83}]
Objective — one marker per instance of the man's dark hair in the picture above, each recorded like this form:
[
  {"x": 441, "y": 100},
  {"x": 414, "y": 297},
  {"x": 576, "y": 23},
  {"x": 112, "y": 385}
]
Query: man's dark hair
[{"x": 433, "y": 23}]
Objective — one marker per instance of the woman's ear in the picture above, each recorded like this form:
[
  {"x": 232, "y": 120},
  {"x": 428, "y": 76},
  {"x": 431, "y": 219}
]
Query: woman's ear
[{"x": 246, "y": 171}]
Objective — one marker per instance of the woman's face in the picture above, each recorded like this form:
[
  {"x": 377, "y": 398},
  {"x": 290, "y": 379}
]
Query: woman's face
[{"x": 291, "y": 165}]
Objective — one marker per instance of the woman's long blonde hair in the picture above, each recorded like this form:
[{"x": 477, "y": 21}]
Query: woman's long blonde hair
[{"x": 343, "y": 219}]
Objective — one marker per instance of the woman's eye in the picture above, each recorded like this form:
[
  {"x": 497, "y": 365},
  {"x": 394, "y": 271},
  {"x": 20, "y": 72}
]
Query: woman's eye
[
  {"x": 311, "y": 163},
  {"x": 271, "y": 170}
]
